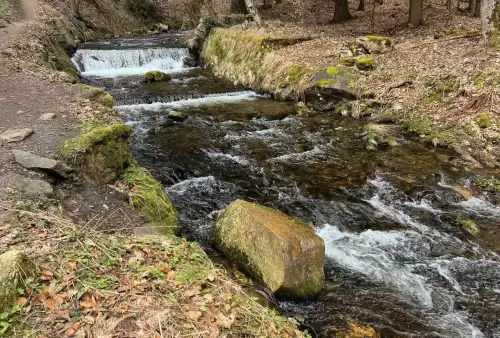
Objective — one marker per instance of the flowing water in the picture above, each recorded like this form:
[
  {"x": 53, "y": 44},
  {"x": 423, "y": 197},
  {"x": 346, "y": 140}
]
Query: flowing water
[{"x": 396, "y": 256}]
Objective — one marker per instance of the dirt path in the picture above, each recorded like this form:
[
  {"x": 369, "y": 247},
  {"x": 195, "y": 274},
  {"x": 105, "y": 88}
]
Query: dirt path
[{"x": 24, "y": 99}]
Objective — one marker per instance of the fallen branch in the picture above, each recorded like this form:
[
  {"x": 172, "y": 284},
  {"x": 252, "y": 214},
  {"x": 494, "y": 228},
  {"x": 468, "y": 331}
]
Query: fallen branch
[{"x": 468, "y": 36}]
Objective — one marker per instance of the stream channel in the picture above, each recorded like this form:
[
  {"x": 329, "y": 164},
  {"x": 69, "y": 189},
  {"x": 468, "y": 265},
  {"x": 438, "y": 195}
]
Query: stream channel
[{"x": 396, "y": 257}]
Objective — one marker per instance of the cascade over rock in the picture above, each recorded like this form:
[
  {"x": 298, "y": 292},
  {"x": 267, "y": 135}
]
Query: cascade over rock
[{"x": 278, "y": 250}]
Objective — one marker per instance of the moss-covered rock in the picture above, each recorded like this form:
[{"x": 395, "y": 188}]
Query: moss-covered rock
[
  {"x": 156, "y": 76},
  {"x": 280, "y": 251},
  {"x": 366, "y": 62},
  {"x": 348, "y": 61},
  {"x": 150, "y": 198},
  {"x": 330, "y": 86},
  {"x": 375, "y": 44},
  {"x": 483, "y": 120},
  {"x": 101, "y": 154},
  {"x": 15, "y": 270},
  {"x": 469, "y": 225},
  {"x": 97, "y": 94}
]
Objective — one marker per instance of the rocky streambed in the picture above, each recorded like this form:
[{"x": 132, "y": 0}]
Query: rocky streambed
[{"x": 411, "y": 245}]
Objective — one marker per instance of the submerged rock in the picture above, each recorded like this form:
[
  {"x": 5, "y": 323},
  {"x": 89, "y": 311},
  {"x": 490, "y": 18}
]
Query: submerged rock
[
  {"x": 177, "y": 116},
  {"x": 375, "y": 44},
  {"x": 32, "y": 161},
  {"x": 156, "y": 76},
  {"x": 15, "y": 135},
  {"x": 278, "y": 250},
  {"x": 189, "y": 61},
  {"x": 15, "y": 269}
]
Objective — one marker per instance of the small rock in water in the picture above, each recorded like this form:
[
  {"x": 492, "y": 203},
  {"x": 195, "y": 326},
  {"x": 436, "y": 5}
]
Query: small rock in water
[
  {"x": 47, "y": 116},
  {"x": 189, "y": 61},
  {"x": 26, "y": 185},
  {"x": 16, "y": 135},
  {"x": 177, "y": 116},
  {"x": 32, "y": 161}
]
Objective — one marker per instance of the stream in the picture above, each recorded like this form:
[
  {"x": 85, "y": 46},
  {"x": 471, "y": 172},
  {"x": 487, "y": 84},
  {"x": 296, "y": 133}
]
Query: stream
[{"x": 396, "y": 257}]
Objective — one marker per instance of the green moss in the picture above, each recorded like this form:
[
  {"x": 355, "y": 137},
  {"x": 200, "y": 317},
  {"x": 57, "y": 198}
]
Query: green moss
[
  {"x": 368, "y": 94},
  {"x": 83, "y": 143},
  {"x": 296, "y": 72},
  {"x": 156, "y": 76},
  {"x": 325, "y": 83},
  {"x": 483, "y": 120},
  {"x": 468, "y": 225},
  {"x": 101, "y": 154},
  {"x": 366, "y": 62},
  {"x": 380, "y": 39},
  {"x": 480, "y": 82},
  {"x": 489, "y": 184},
  {"x": 97, "y": 94},
  {"x": 347, "y": 61},
  {"x": 150, "y": 198},
  {"x": 419, "y": 126},
  {"x": 440, "y": 90},
  {"x": 352, "y": 84},
  {"x": 334, "y": 70}
]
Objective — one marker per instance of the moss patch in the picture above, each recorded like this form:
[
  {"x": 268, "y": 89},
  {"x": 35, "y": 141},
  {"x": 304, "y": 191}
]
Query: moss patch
[
  {"x": 469, "y": 225},
  {"x": 380, "y": 39},
  {"x": 366, "y": 62},
  {"x": 97, "y": 94},
  {"x": 150, "y": 198},
  {"x": 440, "y": 90},
  {"x": 100, "y": 154},
  {"x": 156, "y": 76},
  {"x": 483, "y": 120},
  {"x": 348, "y": 61},
  {"x": 296, "y": 72}
]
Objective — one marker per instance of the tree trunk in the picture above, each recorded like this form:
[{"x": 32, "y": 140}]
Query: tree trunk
[
  {"x": 472, "y": 7},
  {"x": 490, "y": 21},
  {"x": 416, "y": 13},
  {"x": 341, "y": 11},
  {"x": 477, "y": 9},
  {"x": 252, "y": 10},
  {"x": 238, "y": 7},
  {"x": 361, "y": 6}
]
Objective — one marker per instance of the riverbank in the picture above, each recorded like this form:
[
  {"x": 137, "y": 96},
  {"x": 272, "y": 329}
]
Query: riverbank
[
  {"x": 102, "y": 266},
  {"x": 438, "y": 82}
]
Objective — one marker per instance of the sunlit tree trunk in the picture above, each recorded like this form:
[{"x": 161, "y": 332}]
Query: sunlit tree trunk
[
  {"x": 252, "y": 10},
  {"x": 415, "y": 13},
  {"x": 341, "y": 11},
  {"x": 490, "y": 21}
]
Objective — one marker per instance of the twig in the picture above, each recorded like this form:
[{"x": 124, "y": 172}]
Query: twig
[{"x": 468, "y": 36}]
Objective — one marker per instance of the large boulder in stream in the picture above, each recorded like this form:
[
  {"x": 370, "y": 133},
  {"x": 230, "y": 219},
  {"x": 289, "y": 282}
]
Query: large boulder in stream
[{"x": 280, "y": 251}]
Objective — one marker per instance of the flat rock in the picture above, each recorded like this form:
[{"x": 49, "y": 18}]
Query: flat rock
[
  {"x": 32, "y": 161},
  {"x": 47, "y": 116},
  {"x": 26, "y": 185},
  {"x": 15, "y": 135}
]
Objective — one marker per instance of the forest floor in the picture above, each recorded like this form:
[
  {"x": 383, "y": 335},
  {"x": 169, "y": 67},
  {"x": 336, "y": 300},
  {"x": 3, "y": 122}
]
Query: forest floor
[
  {"x": 440, "y": 81},
  {"x": 95, "y": 279}
]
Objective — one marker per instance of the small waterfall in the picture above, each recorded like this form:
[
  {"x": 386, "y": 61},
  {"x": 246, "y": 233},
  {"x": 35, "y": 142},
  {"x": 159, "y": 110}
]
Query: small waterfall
[{"x": 123, "y": 62}]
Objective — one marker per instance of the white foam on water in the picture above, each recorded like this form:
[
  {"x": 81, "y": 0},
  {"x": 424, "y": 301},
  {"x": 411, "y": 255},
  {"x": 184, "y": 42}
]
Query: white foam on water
[
  {"x": 372, "y": 254},
  {"x": 194, "y": 183},
  {"x": 125, "y": 62},
  {"x": 305, "y": 155},
  {"x": 480, "y": 207},
  {"x": 223, "y": 156},
  {"x": 206, "y": 100}
]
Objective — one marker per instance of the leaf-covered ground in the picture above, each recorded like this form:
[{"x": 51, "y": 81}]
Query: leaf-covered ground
[{"x": 99, "y": 285}]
